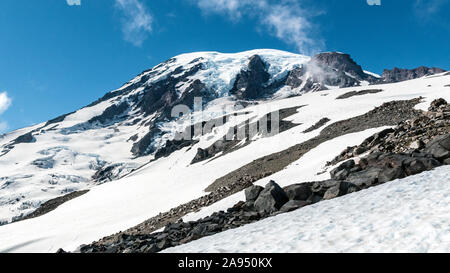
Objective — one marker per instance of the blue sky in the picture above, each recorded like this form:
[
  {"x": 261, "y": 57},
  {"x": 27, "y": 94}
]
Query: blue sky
[{"x": 59, "y": 55}]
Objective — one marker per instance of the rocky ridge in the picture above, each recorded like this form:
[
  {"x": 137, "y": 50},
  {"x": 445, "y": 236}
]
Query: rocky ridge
[
  {"x": 401, "y": 74},
  {"x": 407, "y": 136},
  {"x": 352, "y": 175}
]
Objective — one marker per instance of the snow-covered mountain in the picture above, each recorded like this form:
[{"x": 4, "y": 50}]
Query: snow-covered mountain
[
  {"x": 127, "y": 127},
  {"x": 128, "y": 137}
]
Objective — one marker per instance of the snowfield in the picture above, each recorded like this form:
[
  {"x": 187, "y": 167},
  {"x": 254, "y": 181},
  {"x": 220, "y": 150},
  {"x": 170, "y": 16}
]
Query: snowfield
[{"x": 405, "y": 215}]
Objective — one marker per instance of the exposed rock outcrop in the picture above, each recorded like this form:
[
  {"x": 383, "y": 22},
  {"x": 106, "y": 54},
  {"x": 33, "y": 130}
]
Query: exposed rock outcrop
[
  {"x": 250, "y": 83},
  {"x": 358, "y": 93},
  {"x": 399, "y": 74},
  {"x": 409, "y": 135}
]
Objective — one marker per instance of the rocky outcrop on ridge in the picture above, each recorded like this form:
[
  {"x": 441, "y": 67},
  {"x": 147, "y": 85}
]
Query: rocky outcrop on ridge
[
  {"x": 399, "y": 74},
  {"x": 407, "y": 136}
]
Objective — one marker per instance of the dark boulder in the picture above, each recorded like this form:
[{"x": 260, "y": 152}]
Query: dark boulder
[
  {"x": 293, "y": 205},
  {"x": 341, "y": 188},
  {"x": 365, "y": 178},
  {"x": 252, "y": 193},
  {"x": 439, "y": 147},
  {"x": 420, "y": 164},
  {"x": 389, "y": 174},
  {"x": 271, "y": 199},
  {"x": 436, "y": 104},
  {"x": 298, "y": 191},
  {"x": 319, "y": 188},
  {"x": 341, "y": 171}
]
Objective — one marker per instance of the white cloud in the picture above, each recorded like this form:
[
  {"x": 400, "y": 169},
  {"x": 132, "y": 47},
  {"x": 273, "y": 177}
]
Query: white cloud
[
  {"x": 73, "y": 2},
  {"x": 374, "y": 2},
  {"x": 5, "y": 103},
  {"x": 136, "y": 21},
  {"x": 287, "y": 20}
]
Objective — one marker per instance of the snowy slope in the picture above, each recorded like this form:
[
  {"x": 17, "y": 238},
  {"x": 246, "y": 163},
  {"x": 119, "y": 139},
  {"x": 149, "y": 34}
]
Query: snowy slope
[
  {"x": 66, "y": 153},
  {"x": 170, "y": 181},
  {"x": 406, "y": 215}
]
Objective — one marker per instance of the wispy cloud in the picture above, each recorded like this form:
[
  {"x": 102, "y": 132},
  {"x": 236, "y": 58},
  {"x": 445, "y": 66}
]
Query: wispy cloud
[
  {"x": 374, "y": 2},
  {"x": 73, "y": 2},
  {"x": 428, "y": 8},
  {"x": 5, "y": 103},
  {"x": 136, "y": 21},
  {"x": 287, "y": 20}
]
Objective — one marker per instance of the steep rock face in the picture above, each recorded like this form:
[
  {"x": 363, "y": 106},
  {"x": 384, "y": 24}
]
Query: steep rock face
[
  {"x": 399, "y": 74},
  {"x": 295, "y": 76},
  {"x": 340, "y": 62},
  {"x": 250, "y": 82},
  {"x": 328, "y": 69}
]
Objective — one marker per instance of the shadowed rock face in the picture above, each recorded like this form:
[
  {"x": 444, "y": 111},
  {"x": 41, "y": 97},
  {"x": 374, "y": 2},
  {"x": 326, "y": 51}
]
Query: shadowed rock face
[
  {"x": 341, "y": 62},
  {"x": 249, "y": 83},
  {"x": 399, "y": 74},
  {"x": 111, "y": 113},
  {"x": 294, "y": 78},
  {"x": 328, "y": 69},
  {"x": 26, "y": 138}
]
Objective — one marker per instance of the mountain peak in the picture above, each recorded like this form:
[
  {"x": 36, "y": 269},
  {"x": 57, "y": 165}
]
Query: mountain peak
[{"x": 339, "y": 61}]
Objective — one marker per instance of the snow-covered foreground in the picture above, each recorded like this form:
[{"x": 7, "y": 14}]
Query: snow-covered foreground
[
  {"x": 171, "y": 181},
  {"x": 406, "y": 215}
]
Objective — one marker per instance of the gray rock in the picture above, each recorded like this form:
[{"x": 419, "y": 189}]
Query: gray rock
[
  {"x": 347, "y": 165},
  {"x": 339, "y": 189},
  {"x": 213, "y": 228},
  {"x": 332, "y": 193},
  {"x": 314, "y": 198},
  {"x": 253, "y": 192},
  {"x": 298, "y": 191},
  {"x": 389, "y": 174},
  {"x": 321, "y": 187},
  {"x": 365, "y": 178},
  {"x": 164, "y": 244},
  {"x": 250, "y": 215},
  {"x": 341, "y": 175},
  {"x": 293, "y": 205},
  {"x": 199, "y": 229},
  {"x": 271, "y": 199},
  {"x": 439, "y": 147}
]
